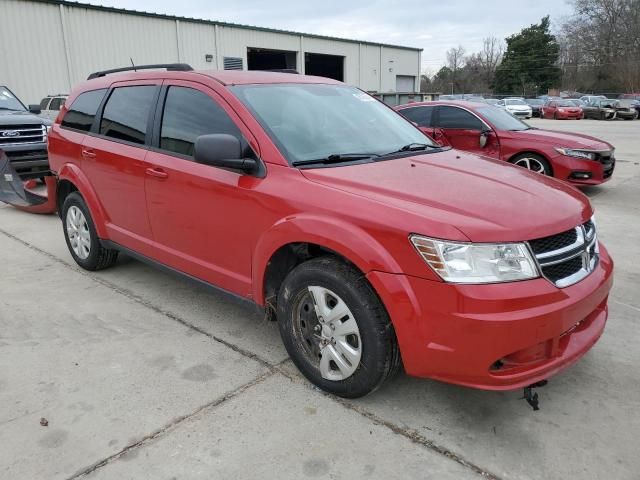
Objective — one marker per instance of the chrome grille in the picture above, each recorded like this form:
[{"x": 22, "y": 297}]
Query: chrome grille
[
  {"x": 568, "y": 257},
  {"x": 22, "y": 134}
]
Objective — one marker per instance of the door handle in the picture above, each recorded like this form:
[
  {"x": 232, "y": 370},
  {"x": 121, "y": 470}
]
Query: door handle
[
  {"x": 157, "y": 172},
  {"x": 88, "y": 153}
]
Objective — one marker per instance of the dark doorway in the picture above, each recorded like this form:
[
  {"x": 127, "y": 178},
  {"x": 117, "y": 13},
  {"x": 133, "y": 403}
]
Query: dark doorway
[
  {"x": 331, "y": 66},
  {"x": 264, "y": 59}
]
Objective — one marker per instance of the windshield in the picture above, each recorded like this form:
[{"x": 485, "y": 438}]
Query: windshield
[
  {"x": 8, "y": 101},
  {"x": 514, "y": 101},
  {"x": 535, "y": 101},
  {"x": 501, "y": 119},
  {"x": 312, "y": 121},
  {"x": 565, "y": 103}
]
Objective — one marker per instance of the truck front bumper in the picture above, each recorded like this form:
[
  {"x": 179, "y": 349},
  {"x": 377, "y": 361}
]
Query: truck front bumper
[{"x": 498, "y": 336}]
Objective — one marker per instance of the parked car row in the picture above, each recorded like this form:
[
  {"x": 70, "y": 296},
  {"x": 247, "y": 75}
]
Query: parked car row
[{"x": 371, "y": 241}]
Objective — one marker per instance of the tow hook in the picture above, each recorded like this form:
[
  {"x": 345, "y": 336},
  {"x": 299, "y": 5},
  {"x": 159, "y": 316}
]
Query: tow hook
[{"x": 531, "y": 397}]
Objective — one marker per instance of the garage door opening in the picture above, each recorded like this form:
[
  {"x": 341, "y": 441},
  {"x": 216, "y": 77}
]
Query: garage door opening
[
  {"x": 331, "y": 66},
  {"x": 264, "y": 59}
]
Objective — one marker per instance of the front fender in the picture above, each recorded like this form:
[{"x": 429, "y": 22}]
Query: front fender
[
  {"x": 348, "y": 240},
  {"x": 73, "y": 174}
]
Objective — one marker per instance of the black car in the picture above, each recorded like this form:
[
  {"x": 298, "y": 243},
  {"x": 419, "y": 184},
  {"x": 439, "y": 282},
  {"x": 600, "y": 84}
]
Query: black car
[
  {"x": 600, "y": 109},
  {"x": 536, "y": 106},
  {"x": 23, "y": 136}
]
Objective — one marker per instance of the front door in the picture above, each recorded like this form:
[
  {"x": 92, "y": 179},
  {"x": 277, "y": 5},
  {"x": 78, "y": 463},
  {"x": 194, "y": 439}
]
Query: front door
[
  {"x": 459, "y": 127},
  {"x": 201, "y": 216}
]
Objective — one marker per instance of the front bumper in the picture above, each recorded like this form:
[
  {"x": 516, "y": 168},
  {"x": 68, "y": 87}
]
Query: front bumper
[
  {"x": 495, "y": 337},
  {"x": 565, "y": 168}
]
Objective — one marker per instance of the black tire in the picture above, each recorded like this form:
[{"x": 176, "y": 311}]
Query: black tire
[
  {"x": 539, "y": 158},
  {"x": 380, "y": 357},
  {"x": 99, "y": 257}
]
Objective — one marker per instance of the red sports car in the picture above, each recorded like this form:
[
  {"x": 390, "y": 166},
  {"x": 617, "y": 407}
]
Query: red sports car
[
  {"x": 562, "y": 110},
  {"x": 493, "y": 132}
]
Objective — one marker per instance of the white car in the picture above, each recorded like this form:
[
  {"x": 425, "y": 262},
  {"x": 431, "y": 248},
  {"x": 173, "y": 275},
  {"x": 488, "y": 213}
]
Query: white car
[
  {"x": 51, "y": 104},
  {"x": 517, "y": 107}
]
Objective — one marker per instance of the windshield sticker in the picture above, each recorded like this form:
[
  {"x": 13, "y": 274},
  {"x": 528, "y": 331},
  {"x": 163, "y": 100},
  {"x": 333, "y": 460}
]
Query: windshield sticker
[{"x": 363, "y": 97}]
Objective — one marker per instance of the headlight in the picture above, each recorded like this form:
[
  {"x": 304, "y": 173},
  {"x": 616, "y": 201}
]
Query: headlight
[
  {"x": 575, "y": 153},
  {"x": 459, "y": 262}
]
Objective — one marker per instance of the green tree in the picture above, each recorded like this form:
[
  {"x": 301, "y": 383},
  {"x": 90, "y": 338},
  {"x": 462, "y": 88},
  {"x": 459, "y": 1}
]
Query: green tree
[{"x": 530, "y": 63}]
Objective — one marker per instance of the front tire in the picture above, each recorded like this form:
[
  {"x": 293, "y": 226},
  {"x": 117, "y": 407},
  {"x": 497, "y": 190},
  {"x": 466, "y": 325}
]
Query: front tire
[
  {"x": 533, "y": 162},
  {"x": 81, "y": 237},
  {"x": 335, "y": 328}
]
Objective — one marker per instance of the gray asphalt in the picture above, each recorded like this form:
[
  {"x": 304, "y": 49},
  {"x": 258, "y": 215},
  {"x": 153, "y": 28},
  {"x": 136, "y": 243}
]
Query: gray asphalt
[{"x": 141, "y": 374}]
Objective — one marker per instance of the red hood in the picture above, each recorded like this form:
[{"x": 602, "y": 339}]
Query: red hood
[
  {"x": 486, "y": 200},
  {"x": 560, "y": 139}
]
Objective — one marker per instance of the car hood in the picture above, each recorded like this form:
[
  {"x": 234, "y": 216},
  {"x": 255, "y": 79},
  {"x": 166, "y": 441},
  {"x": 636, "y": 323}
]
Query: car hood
[
  {"x": 518, "y": 107},
  {"x": 486, "y": 200},
  {"x": 560, "y": 139},
  {"x": 20, "y": 118}
]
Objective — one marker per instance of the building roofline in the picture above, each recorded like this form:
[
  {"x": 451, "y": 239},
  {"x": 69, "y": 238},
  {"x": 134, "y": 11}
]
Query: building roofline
[{"x": 163, "y": 16}]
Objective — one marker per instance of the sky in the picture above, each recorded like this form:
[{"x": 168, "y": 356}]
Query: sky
[{"x": 428, "y": 24}]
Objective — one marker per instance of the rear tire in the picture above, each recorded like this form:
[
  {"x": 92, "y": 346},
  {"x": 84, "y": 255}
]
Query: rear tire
[
  {"x": 335, "y": 328},
  {"x": 81, "y": 237}
]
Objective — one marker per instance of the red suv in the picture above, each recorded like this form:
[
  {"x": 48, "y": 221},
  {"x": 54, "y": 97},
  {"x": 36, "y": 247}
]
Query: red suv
[
  {"x": 491, "y": 131},
  {"x": 371, "y": 246}
]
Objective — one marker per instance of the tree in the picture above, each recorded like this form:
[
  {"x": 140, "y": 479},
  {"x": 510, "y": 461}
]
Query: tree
[
  {"x": 455, "y": 62},
  {"x": 489, "y": 58},
  {"x": 530, "y": 61},
  {"x": 601, "y": 46}
]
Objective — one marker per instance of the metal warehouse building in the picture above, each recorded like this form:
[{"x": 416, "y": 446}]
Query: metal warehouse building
[{"x": 46, "y": 46}]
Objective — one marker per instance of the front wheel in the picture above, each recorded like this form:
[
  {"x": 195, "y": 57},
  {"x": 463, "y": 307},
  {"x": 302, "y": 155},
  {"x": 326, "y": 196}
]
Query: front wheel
[
  {"x": 533, "y": 162},
  {"x": 335, "y": 328}
]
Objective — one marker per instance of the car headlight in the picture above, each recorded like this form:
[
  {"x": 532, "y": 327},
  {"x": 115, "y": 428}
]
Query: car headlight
[
  {"x": 575, "y": 153},
  {"x": 459, "y": 262}
]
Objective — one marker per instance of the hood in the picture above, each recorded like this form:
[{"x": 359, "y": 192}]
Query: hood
[
  {"x": 518, "y": 107},
  {"x": 560, "y": 139},
  {"x": 486, "y": 200},
  {"x": 20, "y": 118}
]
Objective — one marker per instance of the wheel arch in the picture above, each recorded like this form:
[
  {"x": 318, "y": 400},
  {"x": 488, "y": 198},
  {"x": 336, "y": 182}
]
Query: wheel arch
[
  {"x": 294, "y": 240},
  {"x": 72, "y": 179}
]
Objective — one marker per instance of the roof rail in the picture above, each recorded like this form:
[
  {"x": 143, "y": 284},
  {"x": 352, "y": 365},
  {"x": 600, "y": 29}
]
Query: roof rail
[{"x": 170, "y": 67}]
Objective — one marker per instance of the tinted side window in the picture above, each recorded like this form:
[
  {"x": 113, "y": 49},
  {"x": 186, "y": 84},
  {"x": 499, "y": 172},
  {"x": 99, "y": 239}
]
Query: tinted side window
[
  {"x": 56, "y": 103},
  {"x": 83, "y": 110},
  {"x": 189, "y": 113},
  {"x": 126, "y": 113},
  {"x": 419, "y": 115},
  {"x": 453, "y": 117}
]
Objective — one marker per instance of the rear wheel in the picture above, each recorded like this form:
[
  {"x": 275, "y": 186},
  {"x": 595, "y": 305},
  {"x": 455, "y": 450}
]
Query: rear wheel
[
  {"x": 335, "y": 328},
  {"x": 81, "y": 237},
  {"x": 535, "y": 163}
]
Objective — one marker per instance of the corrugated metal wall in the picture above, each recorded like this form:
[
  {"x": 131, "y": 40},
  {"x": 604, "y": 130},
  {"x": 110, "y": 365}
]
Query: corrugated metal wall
[{"x": 47, "y": 48}]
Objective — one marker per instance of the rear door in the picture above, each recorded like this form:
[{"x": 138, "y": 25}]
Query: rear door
[
  {"x": 458, "y": 127},
  {"x": 203, "y": 218},
  {"x": 113, "y": 158}
]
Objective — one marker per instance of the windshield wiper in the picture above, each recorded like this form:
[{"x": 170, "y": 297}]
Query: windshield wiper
[
  {"x": 11, "y": 109},
  {"x": 411, "y": 147},
  {"x": 336, "y": 158}
]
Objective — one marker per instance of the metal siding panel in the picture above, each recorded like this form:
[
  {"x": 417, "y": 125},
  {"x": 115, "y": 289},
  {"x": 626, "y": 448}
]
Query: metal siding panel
[
  {"x": 32, "y": 59},
  {"x": 402, "y": 62},
  {"x": 100, "y": 40},
  {"x": 198, "y": 40},
  {"x": 370, "y": 68}
]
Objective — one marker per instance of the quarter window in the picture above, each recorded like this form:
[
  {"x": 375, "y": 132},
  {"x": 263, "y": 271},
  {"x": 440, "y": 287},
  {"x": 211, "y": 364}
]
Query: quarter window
[
  {"x": 83, "y": 110},
  {"x": 453, "y": 117},
  {"x": 126, "y": 113},
  {"x": 189, "y": 113},
  {"x": 419, "y": 115}
]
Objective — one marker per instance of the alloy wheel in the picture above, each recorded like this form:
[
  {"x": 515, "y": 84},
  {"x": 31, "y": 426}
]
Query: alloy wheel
[
  {"x": 328, "y": 333},
  {"x": 78, "y": 232},
  {"x": 532, "y": 164}
]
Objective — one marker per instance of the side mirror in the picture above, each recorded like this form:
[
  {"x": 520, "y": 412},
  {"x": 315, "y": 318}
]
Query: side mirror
[
  {"x": 35, "y": 108},
  {"x": 223, "y": 150},
  {"x": 484, "y": 137}
]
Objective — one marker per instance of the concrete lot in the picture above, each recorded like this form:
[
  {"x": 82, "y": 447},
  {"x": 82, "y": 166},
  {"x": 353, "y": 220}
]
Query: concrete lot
[{"x": 143, "y": 375}]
